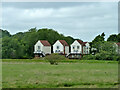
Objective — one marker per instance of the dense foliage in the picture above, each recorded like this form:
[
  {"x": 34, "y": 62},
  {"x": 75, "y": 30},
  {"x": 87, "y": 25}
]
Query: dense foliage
[
  {"x": 114, "y": 38},
  {"x": 100, "y": 41},
  {"x": 21, "y": 45},
  {"x": 4, "y": 33},
  {"x": 97, "y": 41},
  {"x": 105, "y": 50}
]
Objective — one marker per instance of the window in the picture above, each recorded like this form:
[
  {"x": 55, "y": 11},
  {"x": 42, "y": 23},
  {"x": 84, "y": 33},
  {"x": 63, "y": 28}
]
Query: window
[
  {"x": 57, "y": 47},
  {"x": 87, "y": 52},
  {"x": 76, "y": 50},
  {"x": 39, "y": 47},
  {"x": 78, "y": 47},
  {"x": 56, "y": 51},
  {"x": 73, "y": 47}
]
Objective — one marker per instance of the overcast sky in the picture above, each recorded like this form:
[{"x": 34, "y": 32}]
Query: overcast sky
[{"x": 79, "y": 20}]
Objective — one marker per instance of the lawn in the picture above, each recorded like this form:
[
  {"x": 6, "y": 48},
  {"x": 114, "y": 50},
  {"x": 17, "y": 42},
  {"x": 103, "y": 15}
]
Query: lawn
[{"x": 71, "y": 74}]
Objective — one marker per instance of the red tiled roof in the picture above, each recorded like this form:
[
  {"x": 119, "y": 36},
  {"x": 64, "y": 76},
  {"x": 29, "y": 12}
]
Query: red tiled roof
[
  {"x": 63, "y": 42},
  {"x": 45, "y": 42},
  {"x": 84, "y": 43},
  {"x": 81, "y": 42},
  {"x": 118, "y": 44}
]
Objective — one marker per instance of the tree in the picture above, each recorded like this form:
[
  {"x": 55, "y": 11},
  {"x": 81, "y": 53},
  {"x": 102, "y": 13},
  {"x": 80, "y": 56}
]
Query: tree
[
  {"x": 97, "y": 41},
  {"x": 4, "y": 33},
  {"x": 108, "y": 47},
  {"x": 21, "y": 45},
  {"x": 107, "y": 51},
  {"x": 102, "y": 36},
  {"x": 118, "y": 37},
  {"x": 113, "y": 38}
]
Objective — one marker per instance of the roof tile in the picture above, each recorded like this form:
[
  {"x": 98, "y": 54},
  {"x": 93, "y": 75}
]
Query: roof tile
[
  {"x": 45, "y": 42},
  {"x": 63, "y": 42}
]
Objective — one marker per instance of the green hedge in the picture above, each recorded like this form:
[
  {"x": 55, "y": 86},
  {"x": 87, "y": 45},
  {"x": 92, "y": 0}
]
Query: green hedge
[{"x": 101, "y": 56}]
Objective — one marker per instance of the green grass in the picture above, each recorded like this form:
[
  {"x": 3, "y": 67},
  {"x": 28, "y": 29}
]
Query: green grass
[{"x": 71, "y": 74}]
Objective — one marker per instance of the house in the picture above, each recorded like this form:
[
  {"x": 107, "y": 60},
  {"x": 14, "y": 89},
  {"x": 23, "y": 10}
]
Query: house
[
  {"x": 76, "y": 47},
  {"x": 79, "y": 48},
  {"x": 61, "y": 46},
  {"x": 86, "y": 48},
  {"x": 42, "y": 48},
  {"x": 118, "y": 47}
]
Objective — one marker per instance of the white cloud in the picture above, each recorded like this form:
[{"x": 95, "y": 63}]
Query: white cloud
[{"x": 82, "y": 21}]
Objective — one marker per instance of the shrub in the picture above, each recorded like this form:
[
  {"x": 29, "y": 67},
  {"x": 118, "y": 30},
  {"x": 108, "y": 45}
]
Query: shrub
[
  {"x": 54, "y": 58},
  {"x": 104, "y": 55},
  {"x": 117, "y": 58},
  {"x": 88, "y": 57}
]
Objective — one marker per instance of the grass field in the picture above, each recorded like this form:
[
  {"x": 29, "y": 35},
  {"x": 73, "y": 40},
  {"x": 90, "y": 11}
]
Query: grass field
[{"x": 70, "y": 74}]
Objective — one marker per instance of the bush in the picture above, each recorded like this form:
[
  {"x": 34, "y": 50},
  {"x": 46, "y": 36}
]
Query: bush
[
  {"x": 117, "y": 58},
  {"x": 104, "y": 55},
  {"x": 54, "y": 58},
  {"x": 88, "y": 57}
]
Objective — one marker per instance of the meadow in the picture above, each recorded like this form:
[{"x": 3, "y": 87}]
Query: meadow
[{"x": 28, "y": 73}]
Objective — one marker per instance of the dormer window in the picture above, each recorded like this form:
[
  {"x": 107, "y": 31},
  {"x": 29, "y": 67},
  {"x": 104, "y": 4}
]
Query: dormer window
[
  {"x": 73, "y": 47},
  {"x": 38, "y": 47},
  {"x": 57, "y": 47},
  {"x": 78, "y": 47}
]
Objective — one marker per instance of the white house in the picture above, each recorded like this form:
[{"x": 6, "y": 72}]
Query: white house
[
  {"x": 61, "y": 46},
  {"x": 118, "y": 48},
  {"x": 80, "y": 47},
  {"x": 42, "y": 47},
  {"x": 76, "y": 47},
  {"x": 86, "y": 48}
]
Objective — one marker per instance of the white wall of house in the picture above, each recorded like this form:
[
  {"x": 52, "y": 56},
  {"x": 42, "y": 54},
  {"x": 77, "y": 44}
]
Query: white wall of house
[
  {"x": 76, "y": 47},
  {"x": 84, "y": 49},
  {"x": 117, "y": 48},
  {"x": 59, "y": 48},
  {"x": 38, "y": 46},
  {"x": 47, "y": 49},
  {"x": 66, "y": 49},
  {"x": 87, "y": 48}
]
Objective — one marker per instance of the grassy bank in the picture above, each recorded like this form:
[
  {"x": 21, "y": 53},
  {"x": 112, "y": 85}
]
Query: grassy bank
[
  {"x": 61, "y": 61},
  {"x": 19, "y": 73}
]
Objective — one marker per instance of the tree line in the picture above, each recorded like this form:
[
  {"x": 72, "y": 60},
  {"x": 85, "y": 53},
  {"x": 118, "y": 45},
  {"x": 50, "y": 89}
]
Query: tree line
[{"x": 21, "y": 45}]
